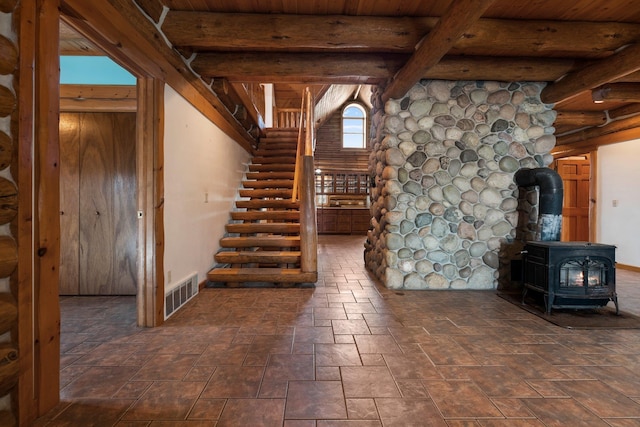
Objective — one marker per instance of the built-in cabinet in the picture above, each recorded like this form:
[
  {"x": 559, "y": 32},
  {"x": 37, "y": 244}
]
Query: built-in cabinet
[
  {"x": 342, "y": 200},
  {"x": 98, "y": 204}
]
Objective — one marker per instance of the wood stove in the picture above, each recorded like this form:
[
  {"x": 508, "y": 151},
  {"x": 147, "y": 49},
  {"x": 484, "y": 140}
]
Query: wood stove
[{"x": 570, "y": 274}]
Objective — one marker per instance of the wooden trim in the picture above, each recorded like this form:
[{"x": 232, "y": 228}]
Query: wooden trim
[
  {"x": 47, "y": 206},
  {"x": 627, "y": 267},
  {"x": 593, "y": 196},
  {"x": 26, "y": 403},
  {"x": 149, "y": 143},
  {"x": 69, "y": 105}
]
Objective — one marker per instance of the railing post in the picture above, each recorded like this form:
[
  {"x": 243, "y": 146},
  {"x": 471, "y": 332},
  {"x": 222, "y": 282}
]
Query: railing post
[{"x": 308, "y": 221}]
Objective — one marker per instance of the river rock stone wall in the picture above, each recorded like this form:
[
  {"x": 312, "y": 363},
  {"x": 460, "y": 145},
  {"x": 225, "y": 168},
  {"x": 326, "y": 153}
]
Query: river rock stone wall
[{"x": 445, "y": 206}]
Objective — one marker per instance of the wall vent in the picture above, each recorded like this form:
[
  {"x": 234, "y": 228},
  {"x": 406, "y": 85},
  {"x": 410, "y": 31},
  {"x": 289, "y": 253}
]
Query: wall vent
[{"x": 178, "y": 296}]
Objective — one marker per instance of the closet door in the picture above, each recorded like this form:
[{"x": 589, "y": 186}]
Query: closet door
[{"x": 106, "y": 219}]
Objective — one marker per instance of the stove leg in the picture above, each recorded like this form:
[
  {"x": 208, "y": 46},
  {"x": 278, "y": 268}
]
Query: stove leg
[
  {"x": 548, "y": 302},
  {"x": 615, "y": 302}
]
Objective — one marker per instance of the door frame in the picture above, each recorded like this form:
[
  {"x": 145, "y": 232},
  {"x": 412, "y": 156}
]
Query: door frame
[{"x": 38, "y": 227}]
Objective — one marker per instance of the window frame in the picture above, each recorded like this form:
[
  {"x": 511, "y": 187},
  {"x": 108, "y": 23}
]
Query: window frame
[{"x": 364, "y": 126}]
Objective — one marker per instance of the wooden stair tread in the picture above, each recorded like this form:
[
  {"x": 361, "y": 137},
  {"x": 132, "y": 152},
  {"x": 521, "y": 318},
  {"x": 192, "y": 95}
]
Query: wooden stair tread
[
  {"x": 266, "y": 175},
  {"x": 266, "y": 152},
  {"x": 266, "y": 160},
  {"x": 265, "y": 257},
  {"x": 261, "y": 242},
  {"x": 272, "y": 168},
  {"x": 264, "y": 227},
  {"x": 275, "y": 275},
  {"x": 268, "y": 183},
  {"x": 266, "y": 215},
  {"x": 266, "y": 193},
  {"x": 261, "y": 203}
]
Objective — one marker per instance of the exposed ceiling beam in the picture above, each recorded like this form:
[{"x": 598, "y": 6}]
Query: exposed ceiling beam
[
  {"x": 288, "y": 33},
  {"x": 594, "y": 132},
  {"x": 584, "y": 146},
  {"x": 603, "y": 71},
  {"x": 458, "y": 17},
  {"x": 626, "y": 111},
  {"x": 620, "y": 92},
  {"x": 362, "y": 68},
  {"x": 577, "y": 119}
]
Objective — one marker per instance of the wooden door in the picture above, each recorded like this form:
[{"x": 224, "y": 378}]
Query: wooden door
[
  {"x": 575, "y": 175},
  {"x": 98, "y": 204}
]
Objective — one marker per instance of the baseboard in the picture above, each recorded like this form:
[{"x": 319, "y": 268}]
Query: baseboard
[{"x": 627, "y": 267}]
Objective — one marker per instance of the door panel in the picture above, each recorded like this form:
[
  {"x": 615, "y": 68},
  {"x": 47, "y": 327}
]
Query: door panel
[
  {"x": 104, "y": 181},
  {"x": 575, "y": 212}
]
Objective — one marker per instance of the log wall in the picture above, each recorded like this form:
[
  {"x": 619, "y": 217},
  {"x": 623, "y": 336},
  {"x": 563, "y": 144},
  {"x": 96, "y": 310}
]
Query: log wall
[
  {"x": 329, "y": 153},
  {"x": 9, "y": 363}
]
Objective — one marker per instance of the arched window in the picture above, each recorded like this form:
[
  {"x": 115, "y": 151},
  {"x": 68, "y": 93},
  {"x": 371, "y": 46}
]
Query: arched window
[{"x": 354, "y": 120}]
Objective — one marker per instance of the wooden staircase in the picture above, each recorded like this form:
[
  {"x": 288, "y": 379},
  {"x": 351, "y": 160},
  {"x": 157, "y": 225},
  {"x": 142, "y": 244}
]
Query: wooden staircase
[{"x": 262, "y": 245}]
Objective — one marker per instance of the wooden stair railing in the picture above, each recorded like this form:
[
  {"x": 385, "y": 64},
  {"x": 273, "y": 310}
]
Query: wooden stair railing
[{"x": 272, "y": 238}]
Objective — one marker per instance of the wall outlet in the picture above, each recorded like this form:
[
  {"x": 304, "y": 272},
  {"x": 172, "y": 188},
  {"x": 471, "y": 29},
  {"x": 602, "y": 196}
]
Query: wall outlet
[{"x": 614, "y": 203}]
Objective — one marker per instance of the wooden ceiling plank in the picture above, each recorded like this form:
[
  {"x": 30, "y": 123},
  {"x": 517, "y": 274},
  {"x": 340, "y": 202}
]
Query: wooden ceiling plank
[
  {"x": 460, "y": 15},
  {"x": 616, "y": 66},
  {"x": 499, "y": 37}
]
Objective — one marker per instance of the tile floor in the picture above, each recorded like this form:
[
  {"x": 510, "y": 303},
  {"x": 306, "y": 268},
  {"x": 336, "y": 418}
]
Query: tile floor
[{"x": 346, "y": 353}]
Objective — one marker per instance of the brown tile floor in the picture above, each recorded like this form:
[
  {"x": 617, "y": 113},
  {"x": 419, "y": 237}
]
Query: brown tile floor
[{"x": 347, "y": 353}]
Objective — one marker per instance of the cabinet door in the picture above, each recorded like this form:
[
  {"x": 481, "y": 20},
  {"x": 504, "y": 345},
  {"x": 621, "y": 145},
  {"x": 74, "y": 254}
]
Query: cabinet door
[
  {"x": 360, "y": 221},
  {"x": 344, "y": 221},
  {"x": 329, "y": 221}
]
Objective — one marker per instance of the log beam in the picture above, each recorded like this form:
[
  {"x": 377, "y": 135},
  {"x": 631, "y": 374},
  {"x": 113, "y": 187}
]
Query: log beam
[
  {"x": 577, "y": 119},
  {"x": 616, "y": 66},
  {"x": 596, "y": 132},
  {"x": 585, "y": 146},
  {"x": 361, "y": 68},
  {"x": 626, "y": 111},
  {"x": 344, "y": 33},
  {"x": 619, "y": 92},
  {"x": 458, "y": 17}
]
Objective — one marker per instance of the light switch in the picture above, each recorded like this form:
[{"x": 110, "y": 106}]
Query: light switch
[{"x": 614, "y": 203}]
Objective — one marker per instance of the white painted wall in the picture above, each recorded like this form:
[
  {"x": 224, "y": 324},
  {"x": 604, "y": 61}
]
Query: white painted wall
[
  {"x": 619, "y": 183},
  {"x": 203, "y": 168}
]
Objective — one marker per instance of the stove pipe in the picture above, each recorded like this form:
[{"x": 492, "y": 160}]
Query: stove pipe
[{"x": 551, "y": 195}]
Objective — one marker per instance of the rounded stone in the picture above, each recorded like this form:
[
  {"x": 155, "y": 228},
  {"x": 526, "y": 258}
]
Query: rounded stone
[
  {"x": 478, "y": 96},
  {"x": 436, "y": 281},
  {"x": 500, "y": 125},
  {"x": 449, "y": 243},
  {"x": 438, "y": 256},
  {"x": 437, "y": 209},
  {"x": 406, "y": 265},
  {"x": 461, "y": 258},
  {"x": 454, "y": 166},
  {"x": 406, "y": 226},
  {"x": 430, "y": 242},
  {"x": 430, "y": 166},
  {"x": 470, "y": 139},
  {"x": 420, "y": 107},
  {"x": 426, "y": 122},
  {"x": 545, "y": 144},
  {"x": 465, "y": 272},
  {"x": 418, "y": 92},
  {"x": 390, "y": 202},
  {"x": 509, "y": 164},
  {"x": 417, "y": 158},
  {"x": 491, "y": 259},
  {"x": 466, "y": 231},
  {"x": 493, "y": 216},
  {"x": 486, "y": 152},
  {"x": 405, "y": 253},
  {"x": 389, "y": 172},
  {"x": 424, "y": 267},
  {"x": 446, "y": 120},
  {"x": 415, "y": 174},
  {"x": 468, "y": 156},
  {"x": 451, "y": 194},
  {"x": 392, "y": 107},
  {"x": 517, "y": 150},
  {"x": 393, "y": 187},
  {"x": 422, "y": 203},
  {"x": 509, "y": 204},
  {"x": 412, "y": 187},
  {"x": 428, "y": 181},
  {"x": 435, "y": 193},
  {"x": 414, "y": 281},
  {"x": 394, "y": 278},
  {"x": 403, "y": 175},
  {"x": 546, "y": 118},
  {"x": 507, "y": 112},
  {"x": 439, "y": 109},
  {"x": 499, "y": 180},
  {"x": 477, "y": 249},
  {"x": 481, "y": 278},
  {"x": 435, "y": 149},
  {"x": 439, "y": 227},
  {"x": 500, "y": 97},
  {"x": 394, "y": 157},
  {"x": 482, "y": 130},
  {"x": 451, "y": 214},
  {"x": 469, "y": 196},
  {"x": 394, "y": 217},
  {"x": 502, "y": 228},
  {"x": 442, "y": 177},
  {"x": 490, "y": 197},
  {"x": 450, "y": 271},
  {"x": 421, "y": 137},
  {"x": 439, "y": 89},
  {"x": 394, "y": 241},
  {"x": 469, "y": 170},
  {"x": 423, "y": 219},
  {"x": 413, "y": 241},
  {"x": 466, "y": 207},
  {"x": 419, "y": 254},
  {"x": 394, "y": 124},
  {"x": 407, "y": 148}
]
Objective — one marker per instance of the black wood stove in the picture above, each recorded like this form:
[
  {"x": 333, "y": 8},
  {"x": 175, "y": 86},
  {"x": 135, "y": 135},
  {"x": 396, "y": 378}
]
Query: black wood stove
[{"x": 570, "y": 274}]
